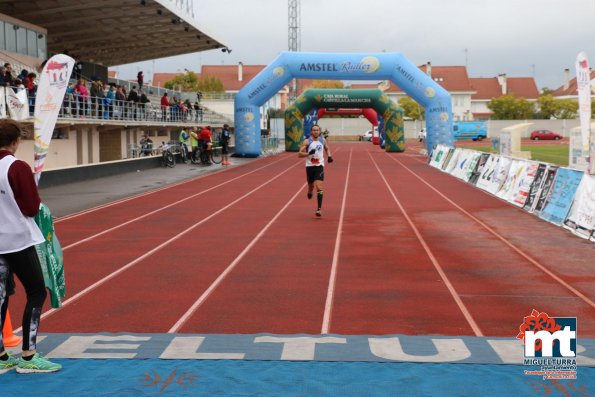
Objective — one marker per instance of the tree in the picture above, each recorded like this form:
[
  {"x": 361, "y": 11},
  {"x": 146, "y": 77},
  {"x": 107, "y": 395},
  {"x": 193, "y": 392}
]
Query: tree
[
  {"x": 546, "y": 91},
  {"x": 557, "y": 108},
  {"x": 183, "y": 82},
  {"x": 326, "y": 84},
  {"x": 209, "y": 84},
  {"x": 190, "y": 82},
  {"x": 567, "y": 109},
  {"x": 411, "y": 108},
  {"x": 508, "y": 107},
  {"x": 547, "y": 106}
]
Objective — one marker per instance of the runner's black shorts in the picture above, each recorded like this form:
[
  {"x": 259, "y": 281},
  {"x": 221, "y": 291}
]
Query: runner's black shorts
[
  {"x": 315, "y": 173},
  {"x": 224, "y": 148}
]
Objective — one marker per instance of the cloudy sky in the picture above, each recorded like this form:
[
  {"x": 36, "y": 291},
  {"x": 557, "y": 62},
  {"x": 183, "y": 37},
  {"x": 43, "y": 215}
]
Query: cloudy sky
[{"x": 521, "y": 38}]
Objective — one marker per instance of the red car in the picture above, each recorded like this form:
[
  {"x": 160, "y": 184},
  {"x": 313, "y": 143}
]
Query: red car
[{"x": 538, "y": 135}]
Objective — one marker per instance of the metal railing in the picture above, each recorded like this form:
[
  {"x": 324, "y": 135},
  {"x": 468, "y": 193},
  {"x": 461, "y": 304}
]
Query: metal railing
[{"x": 90, "y": 108}]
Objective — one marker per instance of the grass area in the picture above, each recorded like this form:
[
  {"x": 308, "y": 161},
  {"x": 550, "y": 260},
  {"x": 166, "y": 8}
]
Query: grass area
[{"x": 555, "y": 154}]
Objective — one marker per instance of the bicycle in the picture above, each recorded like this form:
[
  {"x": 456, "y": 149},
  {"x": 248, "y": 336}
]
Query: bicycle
[
  {"x": 168, "y": 158},
  {"x": 183, "y": 152},
  {"x": 176, "y": 148},
  {"x": 208, "y": 157},
  {"x": 216, "y": 155}
]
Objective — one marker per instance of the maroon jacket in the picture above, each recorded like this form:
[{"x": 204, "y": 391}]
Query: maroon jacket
[{"x": 23, "y": 186}]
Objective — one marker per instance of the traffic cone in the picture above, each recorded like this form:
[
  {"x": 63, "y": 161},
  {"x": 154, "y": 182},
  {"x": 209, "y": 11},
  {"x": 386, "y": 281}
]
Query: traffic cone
[{"x": 8, "y": 337}]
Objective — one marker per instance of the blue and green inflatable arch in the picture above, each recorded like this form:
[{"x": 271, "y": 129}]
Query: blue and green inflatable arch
[{"x": 339, "y": 66}]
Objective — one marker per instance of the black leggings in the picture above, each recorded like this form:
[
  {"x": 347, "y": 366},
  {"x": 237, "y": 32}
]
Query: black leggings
[{"x": 25, "y": 264}]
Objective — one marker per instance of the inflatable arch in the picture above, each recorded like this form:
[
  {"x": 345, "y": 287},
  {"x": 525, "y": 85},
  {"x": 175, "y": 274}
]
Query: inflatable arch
[
  {"x": 347, "y": 98},
  {"x": 339, "y": 66}
]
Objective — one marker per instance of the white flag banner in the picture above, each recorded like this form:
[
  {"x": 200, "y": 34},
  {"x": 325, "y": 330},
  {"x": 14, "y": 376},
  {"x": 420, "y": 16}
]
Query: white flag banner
[
  {"x": 2, "y": 102},
  {"x": 18, "y": 104},
  {"x": 50, "y": 94},
  {"x": 583, "y": 82}
]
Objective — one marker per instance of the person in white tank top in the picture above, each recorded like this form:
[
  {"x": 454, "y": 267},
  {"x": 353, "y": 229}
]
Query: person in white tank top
[
  {"x": 19, "y": 234},
  {"x": 313, "y": 150}
]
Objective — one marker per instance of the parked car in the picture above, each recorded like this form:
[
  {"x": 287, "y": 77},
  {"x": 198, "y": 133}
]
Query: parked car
[
  {"x": 539, "y": 135},
  {"x": 367, "y": 136}
]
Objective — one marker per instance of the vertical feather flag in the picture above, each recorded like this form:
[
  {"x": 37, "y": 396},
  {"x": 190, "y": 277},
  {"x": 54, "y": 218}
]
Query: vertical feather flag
[{"x": 50, "y": 95}]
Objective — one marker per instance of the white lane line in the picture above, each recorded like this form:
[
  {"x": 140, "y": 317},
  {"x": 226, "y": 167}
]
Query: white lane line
[
  {"x": 231, "y": 266},
  {"x": 140, "y": 195},
  {"x": 504, "y": 240},
  {"x": 433, "y": 259},
  {"x": 205, "y": 295},
  {"x": 330, "y": 293},
  {"x": 154, "y": 250},
  {"x": 158, "y": 210}
]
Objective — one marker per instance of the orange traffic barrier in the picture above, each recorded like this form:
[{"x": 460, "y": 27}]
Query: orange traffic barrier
[{"x": 8, "y": 337}]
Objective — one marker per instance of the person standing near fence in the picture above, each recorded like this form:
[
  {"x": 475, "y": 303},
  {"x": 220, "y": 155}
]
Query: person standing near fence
[
  {"x": 313, "y": 149},
  {"x": 164, "y": 105},
  {"x": 182, "y": 138},
  {"x": 225, "y": 137},
  {"x": 140, "y": 78},
  {"x": 194, "y": 141},
  {"x": 19, "y": 234}
]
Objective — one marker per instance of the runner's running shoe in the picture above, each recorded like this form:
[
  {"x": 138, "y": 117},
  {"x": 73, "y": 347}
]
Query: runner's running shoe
[
  {"x": 11, "y": 362},
  {"x": 37, "y": 364}
]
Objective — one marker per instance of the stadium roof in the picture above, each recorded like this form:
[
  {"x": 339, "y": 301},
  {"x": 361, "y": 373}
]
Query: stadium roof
[{"x": 114, "y": 32}]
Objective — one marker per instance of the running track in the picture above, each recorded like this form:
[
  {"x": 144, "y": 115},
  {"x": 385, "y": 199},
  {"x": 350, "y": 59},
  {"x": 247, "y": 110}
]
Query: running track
[{"x": 401, "y": 249}]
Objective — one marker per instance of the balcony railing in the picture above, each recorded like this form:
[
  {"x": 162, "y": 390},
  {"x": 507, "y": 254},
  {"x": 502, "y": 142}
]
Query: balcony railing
[{"x": 104, "y": 109}]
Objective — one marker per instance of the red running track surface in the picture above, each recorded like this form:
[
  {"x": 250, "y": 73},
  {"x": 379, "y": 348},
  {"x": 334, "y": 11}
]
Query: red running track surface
[{"x": 401, "y": 248}]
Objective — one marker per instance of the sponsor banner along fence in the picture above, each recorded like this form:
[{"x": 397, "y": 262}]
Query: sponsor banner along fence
[
  {"x": 559, "y": 201},
  {"x": 562, "y": 196},
  {"x": 581, "y": 219}
]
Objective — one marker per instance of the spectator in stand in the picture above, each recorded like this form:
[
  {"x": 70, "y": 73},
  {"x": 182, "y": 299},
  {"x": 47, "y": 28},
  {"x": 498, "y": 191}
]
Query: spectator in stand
[
  {"x": 83, "y": 97},
  {"x": 23, "y": 75},
  {"x": 31, "y": 87},
  {"x": 188, "y": 106},
  {"x": 133, "y": 100},
  {"x": 95, "y": 98},
  {"x": 120, "y": 100},
  {"x": 110, "y": 97},
  {"x": 3, "y": 77},
  {"x": 9, "y": 77},
  {"x": 140, "y": 78},
  {"x": 69, "y": 102},
  {"x": 102, "y": 106},
  {"x": 164, "y": 105},
  {"x": 144, "y": 99},
  {"x": 183, "y": 110},
  {"x": 173, "y": 109},
  {"x": 197, "y": 111}
]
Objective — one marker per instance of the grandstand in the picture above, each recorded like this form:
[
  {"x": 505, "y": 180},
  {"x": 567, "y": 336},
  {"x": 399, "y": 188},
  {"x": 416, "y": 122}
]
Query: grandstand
[{"x": 99, "y": 34}]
